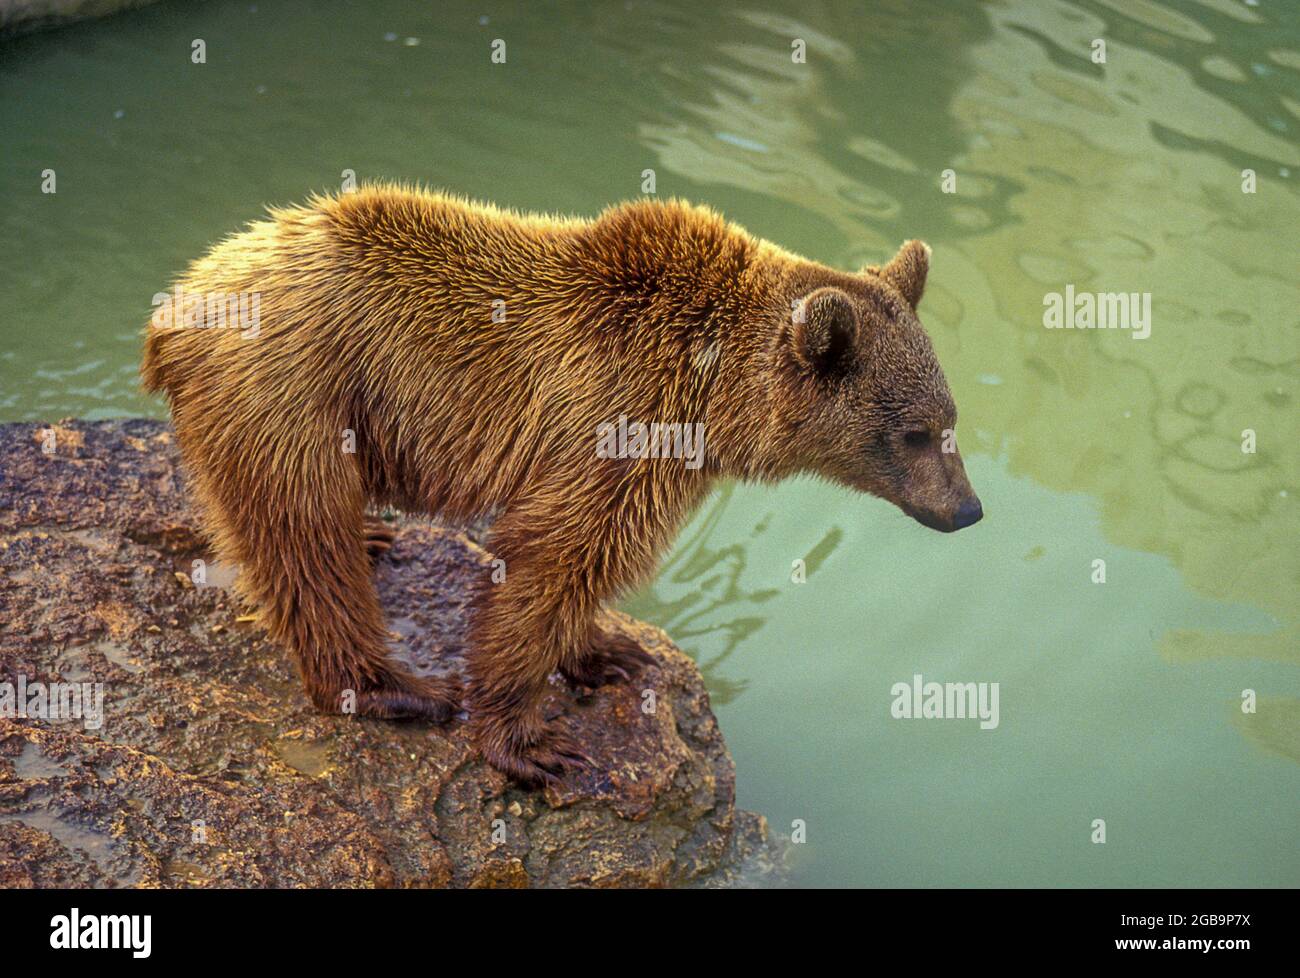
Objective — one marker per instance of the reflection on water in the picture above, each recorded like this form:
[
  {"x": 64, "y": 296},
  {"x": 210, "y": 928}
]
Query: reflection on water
[
  {"x": 1153, "y": 164},
  {"x": 1118, "y": 700}
]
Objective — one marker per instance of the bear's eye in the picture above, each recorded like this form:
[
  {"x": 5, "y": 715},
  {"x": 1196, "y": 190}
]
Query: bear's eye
[{"x": 916, "y": 438}]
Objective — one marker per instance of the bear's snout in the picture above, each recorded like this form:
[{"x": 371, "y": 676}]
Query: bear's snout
[{"x": 969, "y": 513}]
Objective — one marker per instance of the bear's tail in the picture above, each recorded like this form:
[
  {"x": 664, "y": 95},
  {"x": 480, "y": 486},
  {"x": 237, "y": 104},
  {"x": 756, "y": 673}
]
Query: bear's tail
[{"x": 152, "y": 363}]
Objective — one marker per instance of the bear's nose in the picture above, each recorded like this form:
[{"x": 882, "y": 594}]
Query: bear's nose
[{"x": 968, "y": 513}]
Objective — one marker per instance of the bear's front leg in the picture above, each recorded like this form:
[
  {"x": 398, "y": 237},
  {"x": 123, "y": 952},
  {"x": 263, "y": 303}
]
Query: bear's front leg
[
  {"x": 562, "y": 559},
  {"x": 522, "y": 629},
  {"x": 606, "y": 657}
]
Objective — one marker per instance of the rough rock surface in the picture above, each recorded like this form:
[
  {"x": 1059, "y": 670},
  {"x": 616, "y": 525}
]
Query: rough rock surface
[
  {"x": 210, "y": 767},
  {"x": 21, "y": 16}
]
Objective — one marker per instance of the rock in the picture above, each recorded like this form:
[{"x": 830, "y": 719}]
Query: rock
[
  {"x": 21, "y": 16},
  {"x": 211, "y": 768}
]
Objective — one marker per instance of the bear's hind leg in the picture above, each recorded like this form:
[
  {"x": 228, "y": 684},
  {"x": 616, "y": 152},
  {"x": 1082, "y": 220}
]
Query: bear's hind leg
[{"x": 299, "y": 536}]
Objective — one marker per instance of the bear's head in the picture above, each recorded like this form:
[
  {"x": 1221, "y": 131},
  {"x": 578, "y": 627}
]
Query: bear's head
[{"x": 861, "y": 397}]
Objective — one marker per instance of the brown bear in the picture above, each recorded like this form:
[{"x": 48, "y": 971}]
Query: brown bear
[{"x": 415, "y": 350}]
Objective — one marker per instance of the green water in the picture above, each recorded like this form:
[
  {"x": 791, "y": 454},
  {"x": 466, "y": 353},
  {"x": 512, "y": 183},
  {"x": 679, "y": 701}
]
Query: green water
[{"x": 1118, "y": 701}]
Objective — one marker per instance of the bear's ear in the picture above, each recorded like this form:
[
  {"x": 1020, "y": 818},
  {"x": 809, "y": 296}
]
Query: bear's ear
[
  {"x": 907, "y": 270},
  {"x": 823, "y": 330}
]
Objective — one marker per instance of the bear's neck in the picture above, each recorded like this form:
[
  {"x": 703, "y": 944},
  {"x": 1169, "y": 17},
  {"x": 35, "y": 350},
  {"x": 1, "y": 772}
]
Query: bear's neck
[{"x": 700, "y": 300}]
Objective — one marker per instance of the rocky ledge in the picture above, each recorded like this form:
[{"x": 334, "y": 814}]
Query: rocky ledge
[
  {"x": 207, "y": 767},
  {"x": 21, "y": 16}
]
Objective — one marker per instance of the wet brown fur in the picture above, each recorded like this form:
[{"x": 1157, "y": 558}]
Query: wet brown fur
[{"x": 376, "y": 318}]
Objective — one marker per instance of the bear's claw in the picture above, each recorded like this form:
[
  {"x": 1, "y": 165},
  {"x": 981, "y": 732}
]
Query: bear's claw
[
  {"x": 429, "y": 701},
  {"x": 379, "y": 538},
  {"x": 543, "y": 763},
  {"x": 609, "y": 659}
]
